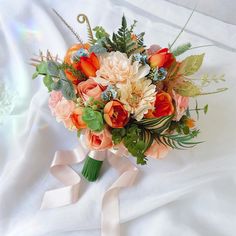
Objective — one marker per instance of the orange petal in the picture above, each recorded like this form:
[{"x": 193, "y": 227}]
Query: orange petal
[
  {"x": 94, "y": 60},
  {"x": 87, "y": 68}
]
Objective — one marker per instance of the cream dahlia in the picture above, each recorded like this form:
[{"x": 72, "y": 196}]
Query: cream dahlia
[
  {"x": 138, "y": 97},
  {"x": 116, "y": 68}
]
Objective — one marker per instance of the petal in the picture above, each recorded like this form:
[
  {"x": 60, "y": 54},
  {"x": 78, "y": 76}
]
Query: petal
[{"x": 87, "y": 68}]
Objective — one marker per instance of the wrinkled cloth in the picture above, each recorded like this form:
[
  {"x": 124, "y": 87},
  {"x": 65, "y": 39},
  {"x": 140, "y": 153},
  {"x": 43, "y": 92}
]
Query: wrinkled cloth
[{"x": 189, "y": 193}]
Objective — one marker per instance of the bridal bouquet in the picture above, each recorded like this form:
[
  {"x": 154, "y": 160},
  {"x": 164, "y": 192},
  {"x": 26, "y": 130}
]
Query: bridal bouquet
[{"x": 119, "y": 93}]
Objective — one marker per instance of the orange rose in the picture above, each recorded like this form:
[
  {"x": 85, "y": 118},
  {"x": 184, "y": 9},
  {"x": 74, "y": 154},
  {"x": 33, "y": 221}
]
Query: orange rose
[
  {"x": 115, "y": 115},
  {"x": 161, "y": 58},
  {"x": 68, "y": 60},
  {"x": 76, "y": 119},
  {"x": 163, "y": 106},
  {"x": 98, "y": 141}
]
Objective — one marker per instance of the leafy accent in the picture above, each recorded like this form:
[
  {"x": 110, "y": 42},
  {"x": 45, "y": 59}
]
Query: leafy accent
[
  {"x": 48, "y": 81},
  {"x": 100, "y": 32},
  {"x": 68, "y": 26},
  {"x": 97, "y": 49},
  {"x": 118, "y": 135},
  {"x": 181, "y": 49},
  {"x": 191, "y": 64},
  {"x": 207, "y": 79},
  {"x": 187, "y": 89},
  {"x": 135, "y": 143},
  {"x": 178, "y": 141},
  {"x": 156, "y": 125},
  {"x": 122, "y": 40},
  {"x": 82, "y": 18},
  {"x": 93, "y": 119}
]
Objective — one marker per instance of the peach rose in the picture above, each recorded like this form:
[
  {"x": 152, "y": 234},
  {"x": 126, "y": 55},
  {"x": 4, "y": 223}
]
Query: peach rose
[
  {"x": 115, "y": 114},
  {"x": 181, "y": 104},
  {"x": 64, "y": 109},
  {"x": 157, "y": 150},
  {"x": 88, "y": 89},
  {"x": 163, "y": 106},
  {"x": 98, "y": 141},
  {"x": 76, "y": 118},
  {"x": 162, "y": 58},
  {"x": 54, "y": 99}
]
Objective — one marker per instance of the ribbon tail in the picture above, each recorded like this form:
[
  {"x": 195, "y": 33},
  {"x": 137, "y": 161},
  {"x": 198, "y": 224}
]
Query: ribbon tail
[
  {"x": 110, "y": 203},
  {"x": 61, "y": 169}
]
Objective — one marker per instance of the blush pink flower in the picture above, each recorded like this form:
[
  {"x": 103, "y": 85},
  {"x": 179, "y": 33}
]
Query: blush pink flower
[
  {"x": 157, "y": 151},
  {"x": 181, "y": 104},
  {"x": 98, "y": 140},
  {"x": 88, "y": 89},
  {"x": 153, "y": 49},
  {"x": 54, "y": 99},
  {"x": 64, "y": 109}
]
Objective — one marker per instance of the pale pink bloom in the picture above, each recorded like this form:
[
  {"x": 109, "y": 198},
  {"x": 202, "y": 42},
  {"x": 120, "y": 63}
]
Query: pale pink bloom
[
  {"x": 157, "y": 150},
  {"x": 153, "y": 49},
  {"x": 55, "y": 97},
  {"x": 64, "y": 109},
  {"x": 88, "y": 89},
  {"x": 98, "y": 140},
  {"x": 181, "y": 104}
]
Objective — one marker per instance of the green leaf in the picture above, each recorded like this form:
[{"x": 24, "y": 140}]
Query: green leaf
[
  {"x": 35, "y": 75},
  {"x": 188, "y": 89},
  {"x": 52, "y": 68},
  {"x": 181, "y": 49},
  {"x": 42, "y": 68},
  {"x": 100, "y": 32},
  {"x": 97, "y": 49},
  {"x": 93, "y": 119},
  {"x": 191, "y": 64},
  {"x": 68, "y": 90},
  {"x": 47, "y": 80},
  {"x": 205, "y": 109},
  {"x": 156, "y": 125},
  {"x": 118, "y": 135},
  {"x": 56, "y": 85}
]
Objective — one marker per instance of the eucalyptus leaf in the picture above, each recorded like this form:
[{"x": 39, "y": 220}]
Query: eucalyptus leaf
[
  {"x": 52, "y": 68},
  {"x": 48, "y": 81},
  {"x": 56, "y": 85},
  {"x": 42, "y": 68}
]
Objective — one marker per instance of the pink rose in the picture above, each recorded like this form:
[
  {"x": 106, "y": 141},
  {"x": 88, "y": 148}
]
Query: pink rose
[
  {"x": 89, "y": 88},
  {"x": 181, "y": 104},
  {"x": 98, "y": 141},
  {"x": 64, "y": 109},
  {"x": 55, "y": 97},
  {"x": 157, "y": 150}
]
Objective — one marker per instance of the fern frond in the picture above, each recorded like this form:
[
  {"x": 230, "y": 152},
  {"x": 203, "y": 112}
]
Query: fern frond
[{"x": 82, "y": 18}]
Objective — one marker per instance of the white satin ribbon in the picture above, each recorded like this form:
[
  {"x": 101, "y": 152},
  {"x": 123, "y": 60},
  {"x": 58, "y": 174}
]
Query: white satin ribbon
[{"x": 60, "y": 168}]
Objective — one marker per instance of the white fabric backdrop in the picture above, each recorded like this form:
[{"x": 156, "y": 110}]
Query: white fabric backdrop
[{"x": 190, "y": 193}]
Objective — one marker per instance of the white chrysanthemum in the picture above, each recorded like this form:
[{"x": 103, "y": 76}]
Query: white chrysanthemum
[
  {"x": 116, "y": 68},
  {"x": 138, "y": 97}
]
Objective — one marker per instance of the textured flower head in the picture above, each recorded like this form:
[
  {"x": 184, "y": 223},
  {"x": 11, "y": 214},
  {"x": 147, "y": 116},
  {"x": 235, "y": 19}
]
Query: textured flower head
[
  {"x": 116, "y": 68},
  {"x": 138, "y": 97}
]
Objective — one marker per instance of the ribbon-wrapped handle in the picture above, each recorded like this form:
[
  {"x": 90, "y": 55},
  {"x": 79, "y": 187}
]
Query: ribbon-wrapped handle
[{"x": 93, "y": 164}]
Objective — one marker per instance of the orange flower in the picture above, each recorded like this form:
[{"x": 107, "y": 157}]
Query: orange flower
[
  {"x": 76, "y": 119},
  {"x": 190, "y": 123},
  {"x": 89, "y": 65},
  {"x": 115, "y": 115},
  {"x": 68, "y": 60},
  {"x": 163, "y": 106},
  {"x": 161, "y": 58}
]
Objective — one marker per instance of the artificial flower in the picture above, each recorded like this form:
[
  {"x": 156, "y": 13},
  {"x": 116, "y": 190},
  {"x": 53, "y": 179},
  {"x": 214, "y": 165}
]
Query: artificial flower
[
  {"x": 157, "y": 150},
  {"x": 116, "y": 68},
  {"x": 181, "y": 104},
  {"x": 69, "y": 59},
  {"x": 98, "y": 140},
  {"x": 54, "y": 99},
  {"x": 115, "y": 115},
  {"x": 89, "y": 89},
  {"x": 109, "y": 94},
  {"x": 153, "y": 49},
  {"x": 162, "y": 58},
  {"x": 89, "y": 65},
  {"x": 138, "y": 97},
  {"x": 76, "y": 118},
  {"x": 163, "y": 106}
]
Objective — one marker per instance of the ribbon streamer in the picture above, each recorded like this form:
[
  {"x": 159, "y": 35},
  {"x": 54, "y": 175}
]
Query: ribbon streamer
[{"x": 60, "y": 168}]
